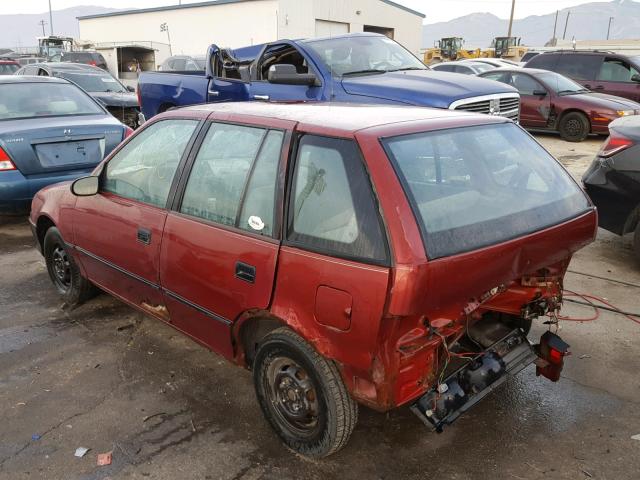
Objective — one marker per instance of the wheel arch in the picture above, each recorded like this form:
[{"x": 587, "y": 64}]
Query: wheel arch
[
  {"x": 43, "y": 224},
  {"x": 632, "y": 221},
  {"x": 251, "y": 327}
]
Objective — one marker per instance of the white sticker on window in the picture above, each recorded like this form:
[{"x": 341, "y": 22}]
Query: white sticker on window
[
  {"x": 108, "y": 80},
  {"x": 256, "y": 223}
]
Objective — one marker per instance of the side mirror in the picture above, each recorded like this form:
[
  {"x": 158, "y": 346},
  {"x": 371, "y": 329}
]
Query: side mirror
[
  {"x": 85, "y": 186},
  {"x": 539, "y": 93},
  {"x": 635, "y": 78},
  {"x": 130, "y": 89},
  {"x": 284, "y": 74}
]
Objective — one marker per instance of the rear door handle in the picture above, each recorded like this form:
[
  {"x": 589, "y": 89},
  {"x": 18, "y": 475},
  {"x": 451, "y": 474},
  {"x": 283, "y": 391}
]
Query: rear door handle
[
  {"x": 587, "y": 86},
  {"x": 245, "y": 272},
  {"x": 144, "y": 235},
  {"x": 261, "y": 97},
  {"x": 599, "y": 87}
]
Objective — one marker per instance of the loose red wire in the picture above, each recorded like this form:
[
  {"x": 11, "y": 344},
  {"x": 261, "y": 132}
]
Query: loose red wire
[{"x": 588, "y": 298}]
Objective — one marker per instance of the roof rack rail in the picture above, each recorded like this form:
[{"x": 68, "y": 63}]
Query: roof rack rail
[{"x": 583, "y": 50}]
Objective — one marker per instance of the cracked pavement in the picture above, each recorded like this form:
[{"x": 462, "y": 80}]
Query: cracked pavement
[{"x": 107, "y": 378}]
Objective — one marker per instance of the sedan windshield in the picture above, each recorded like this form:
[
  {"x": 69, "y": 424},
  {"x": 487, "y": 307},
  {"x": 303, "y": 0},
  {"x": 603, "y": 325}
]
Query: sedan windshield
[
  {"x": 26, "y": 100},
  {"x": 478, "y": 186},
  {"x": 95, "y": 82},
  {"x": 560, "y": 84},
  {"x": 364, "y": 55}
]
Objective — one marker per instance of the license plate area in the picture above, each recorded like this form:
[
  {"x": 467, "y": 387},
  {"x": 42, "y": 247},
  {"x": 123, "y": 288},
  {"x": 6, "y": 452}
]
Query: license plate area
[
  {"x": 70, "y": 153},
  {"x": 469, "y": 384}
]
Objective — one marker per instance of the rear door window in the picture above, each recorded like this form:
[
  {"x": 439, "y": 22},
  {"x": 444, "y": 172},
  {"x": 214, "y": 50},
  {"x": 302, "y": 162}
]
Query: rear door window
[
  {"x": 616, "y": 70},
  {"x": 332, "y": 207},
  {"x": 144, "y": 168},
  {"x": 233, "y": 179},
  {"x": 525, "y": 84},
  {"x": 578, "y": 66}
]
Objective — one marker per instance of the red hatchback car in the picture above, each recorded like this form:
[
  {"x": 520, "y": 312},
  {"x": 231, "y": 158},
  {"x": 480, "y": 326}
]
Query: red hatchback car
[
  {"x": 550, "y": 101},
  {"x": 385, "y": 256}
]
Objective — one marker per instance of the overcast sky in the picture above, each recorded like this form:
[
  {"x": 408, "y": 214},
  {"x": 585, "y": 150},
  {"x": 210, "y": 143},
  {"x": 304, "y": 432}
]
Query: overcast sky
[{"x": 436, "y": 10}]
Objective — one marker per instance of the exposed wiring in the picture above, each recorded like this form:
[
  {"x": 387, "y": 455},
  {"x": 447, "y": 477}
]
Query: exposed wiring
[
  {"x": 621, "y": 282},
  {"x": 589, "y": 301}
]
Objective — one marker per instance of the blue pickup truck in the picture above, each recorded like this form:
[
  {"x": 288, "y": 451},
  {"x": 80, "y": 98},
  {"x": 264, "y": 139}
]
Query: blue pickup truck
[{"x": 354, "y": 68}]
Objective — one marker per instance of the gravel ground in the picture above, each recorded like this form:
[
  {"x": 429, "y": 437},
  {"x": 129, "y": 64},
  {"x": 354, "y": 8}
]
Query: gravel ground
[{"x": 105, "y": 377}]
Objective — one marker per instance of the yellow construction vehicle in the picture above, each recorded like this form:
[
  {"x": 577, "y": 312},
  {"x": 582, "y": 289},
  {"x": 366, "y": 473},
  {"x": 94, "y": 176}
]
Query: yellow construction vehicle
[
  {"x": 448, "y": 49},
  {"x": 508, "y": 47}
]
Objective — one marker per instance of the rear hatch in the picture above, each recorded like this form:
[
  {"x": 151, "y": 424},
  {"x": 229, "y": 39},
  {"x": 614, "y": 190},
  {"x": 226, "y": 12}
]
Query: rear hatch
[{"x": 39, "y": 146}]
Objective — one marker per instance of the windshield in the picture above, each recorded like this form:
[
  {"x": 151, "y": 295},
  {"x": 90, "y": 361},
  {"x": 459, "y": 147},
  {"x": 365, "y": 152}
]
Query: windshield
[
  {"x": 477, "y": 186},
  {"x": 26, "y": 100},
  {"x": 366, "y": 54},
  {"x": 92, "y": 82},
  {"x": 482, "y": 67},
  {"x": 560, "y": 84}
]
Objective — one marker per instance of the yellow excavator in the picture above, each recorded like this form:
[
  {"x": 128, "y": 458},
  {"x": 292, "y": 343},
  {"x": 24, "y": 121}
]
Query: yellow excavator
[{"x": 449, "y": 49}]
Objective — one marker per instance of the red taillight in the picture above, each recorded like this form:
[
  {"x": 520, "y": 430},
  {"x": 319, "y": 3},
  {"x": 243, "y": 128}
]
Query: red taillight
[
  {"x": 92, "y": 62},
  {"x": 127, "y": 132},
  {"x": 615, "y": 143},
  {"x": 551, "y": 350},
  {"x": 5, "y": 162}
]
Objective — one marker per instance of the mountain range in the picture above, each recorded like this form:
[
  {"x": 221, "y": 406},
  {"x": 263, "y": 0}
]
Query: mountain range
[
  {"x": 22, "y": 30},
  {"x": 588, "y": 21}
]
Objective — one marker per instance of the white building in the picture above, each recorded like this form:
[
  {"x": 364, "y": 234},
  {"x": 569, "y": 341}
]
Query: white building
[{"x": 191, "y": 28}]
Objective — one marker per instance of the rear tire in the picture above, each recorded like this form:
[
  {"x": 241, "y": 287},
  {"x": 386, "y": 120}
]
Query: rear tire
[
  {"x": 302, "y": 395},
  {"x": 64, "y": 272},
  {"x": 574, "y": 127}
]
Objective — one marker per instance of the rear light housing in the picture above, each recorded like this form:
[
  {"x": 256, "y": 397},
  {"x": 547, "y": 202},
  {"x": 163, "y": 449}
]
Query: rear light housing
[
  {"x": 551, "y": 352},
  {"x": 5, "y": 162},
  {"x": 615, "y": 143},
  {"x": 93, "y": 62},
  {"x": 128, "y": 131}
]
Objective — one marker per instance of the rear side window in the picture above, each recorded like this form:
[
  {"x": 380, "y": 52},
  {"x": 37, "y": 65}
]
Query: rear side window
[
  {"x": 544, "y": 61},
  {"x": 577, "y": 66},
  {"x": 478, "y": 186},
  {"x": 144, "y": 168},
  {"x": 332, "y": 207},
  {"x": 233, "y": 179}
]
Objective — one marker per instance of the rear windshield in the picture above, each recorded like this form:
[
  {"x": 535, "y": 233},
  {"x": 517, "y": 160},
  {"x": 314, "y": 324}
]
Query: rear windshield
[
  {"x": 8, "y": 68},
  {"x": 94, "y": 82},
  {"x": 477, "y": 186},
  {"x": 25, "y": 100}
]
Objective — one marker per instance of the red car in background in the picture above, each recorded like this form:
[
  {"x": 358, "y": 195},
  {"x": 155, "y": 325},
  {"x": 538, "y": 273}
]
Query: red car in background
[
  {"x": 378, "y": 255},
  {"x": 8, "y": 67},
  {"x": 550, "y": 101}
]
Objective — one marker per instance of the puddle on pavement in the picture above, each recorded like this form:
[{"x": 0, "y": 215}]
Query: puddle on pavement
[{"x": 16, "y": 338}]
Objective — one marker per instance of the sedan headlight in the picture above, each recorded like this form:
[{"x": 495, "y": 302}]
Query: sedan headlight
[{"x": 625, "y": 113}]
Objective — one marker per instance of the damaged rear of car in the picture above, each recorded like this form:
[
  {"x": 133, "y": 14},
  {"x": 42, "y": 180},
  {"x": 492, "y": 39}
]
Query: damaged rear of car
[
  {"x": 499, "y": 219},
  {"x": 613, "y": 180}
]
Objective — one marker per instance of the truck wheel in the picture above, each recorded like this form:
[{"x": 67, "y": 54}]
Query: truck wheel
[
  {"x": 63, "y": 271},
  {"x": 574, "y": 127},
  {"x": 302, "y": 395}
]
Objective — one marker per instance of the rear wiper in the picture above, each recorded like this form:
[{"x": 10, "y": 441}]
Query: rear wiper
[{"x": 363, "y": 72}]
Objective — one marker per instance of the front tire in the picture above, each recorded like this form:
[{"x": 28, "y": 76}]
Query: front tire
[
  {"x": 302, "y": 395},
  {"x": 574, "y": 127},
  {"x": 64, "y": 272}
]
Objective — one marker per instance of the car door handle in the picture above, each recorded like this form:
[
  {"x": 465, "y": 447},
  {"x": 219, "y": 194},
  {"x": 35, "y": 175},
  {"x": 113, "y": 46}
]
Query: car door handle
[
  {"x": 144, "y": 236},
  {"x": 599, "y": 87},
  {"x": 245, "y": 272},
  {"x": 587, "y": 86},
  {"x": 261, "y": 97},
  {"x": 214, "y": 93}
]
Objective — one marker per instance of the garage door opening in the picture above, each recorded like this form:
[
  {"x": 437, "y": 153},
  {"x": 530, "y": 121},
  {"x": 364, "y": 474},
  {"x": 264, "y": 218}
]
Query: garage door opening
[{"x": 382, "y": 30}]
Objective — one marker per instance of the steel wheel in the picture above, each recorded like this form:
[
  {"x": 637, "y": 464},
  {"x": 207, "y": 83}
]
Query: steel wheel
[
  {"x": 293, "y": 395},
  {"x": 61, "y": 267}
]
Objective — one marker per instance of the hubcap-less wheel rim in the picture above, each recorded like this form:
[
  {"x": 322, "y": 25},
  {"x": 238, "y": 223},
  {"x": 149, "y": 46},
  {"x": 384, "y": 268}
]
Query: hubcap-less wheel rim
[
  {"x": 292, "y": 395},
  {"x": 574, "y": 128},
  {"x": 61, "y": 267}
]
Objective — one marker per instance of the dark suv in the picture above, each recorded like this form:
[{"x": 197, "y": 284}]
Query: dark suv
[
  {"x": 605, "y": 72},
  {"x": 89, "y": 57}
]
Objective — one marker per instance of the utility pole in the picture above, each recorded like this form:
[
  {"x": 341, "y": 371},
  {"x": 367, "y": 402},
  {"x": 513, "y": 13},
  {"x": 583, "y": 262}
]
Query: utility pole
[
  {"x": 609, "y": 28},
  {"x": 555, "y": 26},
  {"x": 513, "y": 8},
  {"x": 42, "y": 23},
  {"x": 50, "y": 19},
  {"x": 164, "y": 27},
  {"x": 566, "y": 23}
]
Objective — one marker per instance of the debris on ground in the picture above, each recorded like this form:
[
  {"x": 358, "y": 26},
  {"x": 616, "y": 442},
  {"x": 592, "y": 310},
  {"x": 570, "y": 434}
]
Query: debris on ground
[
  {"x": 636, "y": 437},
  {"x": 81, "y": 452},
  {"x": 104, "y": 458},
  {"x": 149, "y": 417},
  {"x": 35, "y": 436},
  {"x": 584, "y": 356}
]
